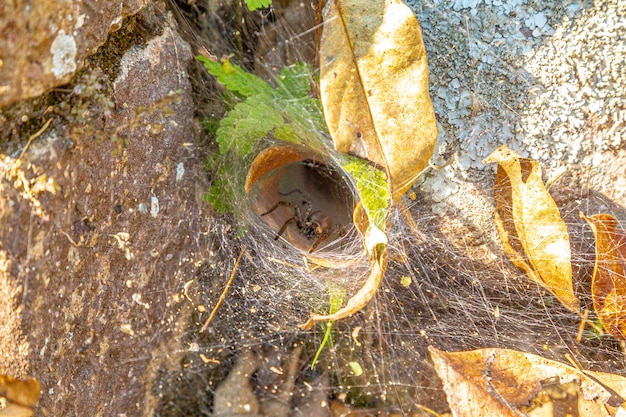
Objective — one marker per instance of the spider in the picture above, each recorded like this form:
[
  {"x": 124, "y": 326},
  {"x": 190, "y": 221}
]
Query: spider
[{"x": 311, "y": 224}]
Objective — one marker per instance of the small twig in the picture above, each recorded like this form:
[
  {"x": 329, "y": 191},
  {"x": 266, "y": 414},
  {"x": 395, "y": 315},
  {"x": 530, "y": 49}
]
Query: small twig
[
  {"x": 35, "y": 136},
  {"x": 404, "y": 210},
  {"x": 574, "y": 362},
  {"x": 428, "y": 410},
  {"x": 289, "y": 264},
  {"x": 581, "y": 327},
  {"x": 584, "y": 322},
  {"x": 69, "y": 238},
  {"x": 223, "y": 295}
]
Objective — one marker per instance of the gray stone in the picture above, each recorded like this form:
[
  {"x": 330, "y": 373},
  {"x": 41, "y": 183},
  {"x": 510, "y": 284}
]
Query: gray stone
[{"x": 44, "y": 43}]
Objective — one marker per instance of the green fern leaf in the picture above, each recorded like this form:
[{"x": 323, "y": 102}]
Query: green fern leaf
[
  {"x": 294, "y": 80},
  {"x": 257, "y": 4},
  {"x": 306, "y": 116},
  {"x": 287, "y": 113},
  {"x": 235, "y": 79},
  {"x": 293, "y": 85},
  {"x": 248, "y": 122},
  {"x": 287, "y": 133},
  {"x": 218, "y": 196}
]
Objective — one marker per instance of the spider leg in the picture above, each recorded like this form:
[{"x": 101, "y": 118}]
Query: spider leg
[
  {"x": 318, "y": 241},
  {"x": 282, "y": 229},
  {"x": 282, "y": 204},
  {"x": 325, "y": 234},
  {"x": 297, "y": 190}
]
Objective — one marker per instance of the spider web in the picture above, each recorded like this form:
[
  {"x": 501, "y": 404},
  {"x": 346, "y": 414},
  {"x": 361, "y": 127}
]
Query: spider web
[{"x": 448, "y": 284}]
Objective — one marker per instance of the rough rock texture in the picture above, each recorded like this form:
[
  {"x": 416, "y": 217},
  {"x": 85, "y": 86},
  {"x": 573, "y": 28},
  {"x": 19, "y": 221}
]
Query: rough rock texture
[
  {"x": 99, "y": 230},
  {"x": 44, "y": 43}
]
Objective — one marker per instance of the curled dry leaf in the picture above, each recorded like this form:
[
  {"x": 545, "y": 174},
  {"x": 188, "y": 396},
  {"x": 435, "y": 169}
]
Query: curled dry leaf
[
  {"x": 275, "y": 157},
  {"x": 532, "y": 232},
  {"x": 285, "y": 177},
  {"x": 608, "y": 286},
  {"x": 375, "y": 241},
  {"x": 503, "y": 383},
  {"x": 374, "y": 87},
  {"x": 234, "y": 395}
]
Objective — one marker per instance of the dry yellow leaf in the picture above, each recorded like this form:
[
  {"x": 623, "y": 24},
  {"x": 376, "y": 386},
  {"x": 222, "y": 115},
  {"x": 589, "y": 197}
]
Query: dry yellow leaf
[
  {"x": 608, "y": 285},
  {"x": 307, "y": 176},
  {"x": 13, "y": 410},
  {"x": 374, "y": 87},
  {"x": 617, "y": 383},
  {"x": 503, "y": 382},
  {"x": 23, "y": 393},
  {"x": 532, "y": 232},
  {"x": 374, "y": 239}
]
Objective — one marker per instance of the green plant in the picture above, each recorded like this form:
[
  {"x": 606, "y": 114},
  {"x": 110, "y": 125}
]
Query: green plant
[
  {"x": 257, "y": 4},
  {"x": 373, "y": 190},
  {"x": 285, "y": 112},
  {"x": 336, "y": 295},
  {"x": 261, "y": 112}
]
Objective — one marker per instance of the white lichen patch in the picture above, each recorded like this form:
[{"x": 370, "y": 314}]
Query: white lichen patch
[
  {"x": 154, "y": 206},
  {"x": 63, "y": 52},
  {"x": 180, "y": 171},
  {"x": 80, "y": 21}
]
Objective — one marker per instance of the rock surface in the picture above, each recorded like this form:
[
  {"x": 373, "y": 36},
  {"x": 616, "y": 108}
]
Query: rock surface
[
  {"x": 44, "y": 43},
  {"x": 98, "y": 235}
]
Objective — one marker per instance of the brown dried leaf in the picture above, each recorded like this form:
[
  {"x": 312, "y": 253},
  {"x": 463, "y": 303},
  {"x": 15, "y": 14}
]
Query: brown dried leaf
[
  {"x": 608, "y": 286},
  {"x": 374, "y": 239},
  {"x": 329, "y": 194},
  {"x": 503, "y": 382},
  {"x": 234, "y": 395},
  {"x": 23, "y": 393},
  {"x": 532, "y": 233},
  {"x": 274, "y": 157},
  {"x": 374, "y": 87},
  {"x": 614, "y": 382}
]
